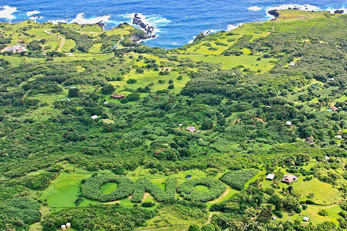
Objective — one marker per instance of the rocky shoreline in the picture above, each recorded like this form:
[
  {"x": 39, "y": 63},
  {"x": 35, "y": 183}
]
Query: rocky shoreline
[
  {"x": 274, "y": 13},
  {"x": 145, "y": 27}
]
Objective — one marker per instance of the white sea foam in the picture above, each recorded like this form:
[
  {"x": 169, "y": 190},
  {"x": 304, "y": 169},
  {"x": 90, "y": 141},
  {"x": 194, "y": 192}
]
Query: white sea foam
[
  {"x": 152, "y": 20},
  {"x": 233, "y": 27},
  {"x": 80, "y": 19},
  {"x": 31, "y": 13},
  {"x": 55, "y": 22},
  {"x": 7, "y": 12},
  {"x": 254, "y": 8}
]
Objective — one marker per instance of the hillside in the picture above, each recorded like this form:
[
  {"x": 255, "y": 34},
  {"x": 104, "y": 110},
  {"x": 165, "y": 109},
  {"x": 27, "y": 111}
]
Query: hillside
[{"x": 104, "y": 133}]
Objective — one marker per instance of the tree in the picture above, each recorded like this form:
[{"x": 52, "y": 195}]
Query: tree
[
  {"x": 207, "y": 125},
  {"x": 108, "y": 89},
  {"x": 34, "y": 46},
  {"x": 74, "y": 92},
  {"x": 194, "y": 228}
]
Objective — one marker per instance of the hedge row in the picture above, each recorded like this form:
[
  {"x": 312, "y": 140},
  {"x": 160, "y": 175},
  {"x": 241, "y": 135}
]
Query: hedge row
[
  {"x": 187, "y": 189},
  {"x": 91, "y": 189},
  {"x": 145, "y": 185},
  {"x": 237, "y": 179}
]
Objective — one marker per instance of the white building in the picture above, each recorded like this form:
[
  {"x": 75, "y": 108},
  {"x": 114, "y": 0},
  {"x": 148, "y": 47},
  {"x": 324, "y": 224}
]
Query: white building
[
  {"x": 289, "y": 123},
  {"x": 270, "y": 176},
  {"x": 306, "y": 219},
  {"x": 94, "y": 117}
]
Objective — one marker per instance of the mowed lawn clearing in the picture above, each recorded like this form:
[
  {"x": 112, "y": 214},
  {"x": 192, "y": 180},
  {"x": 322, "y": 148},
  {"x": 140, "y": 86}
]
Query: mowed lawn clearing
[
  {"x": 323, "y": 193},
  {"x": 64, "y": 191},
  {"x": 229, "y": 62}
]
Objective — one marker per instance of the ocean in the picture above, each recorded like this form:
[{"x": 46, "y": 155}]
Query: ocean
[{"x": 176, "y": 21}]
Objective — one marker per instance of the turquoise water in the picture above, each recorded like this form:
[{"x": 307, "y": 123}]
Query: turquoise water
[{"x": 177, "y": 21}]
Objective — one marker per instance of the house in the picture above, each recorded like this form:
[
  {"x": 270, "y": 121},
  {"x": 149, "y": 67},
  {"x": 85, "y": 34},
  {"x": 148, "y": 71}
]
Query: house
[
  {"x": 327, "y": 158},
  {"x": 333, "y": 108},
  {"x": 331, "y": 79},
  {"x": 339, "y": 137},
  {"x": 289, "y": 178},
  {"x": 118, "y": 96},
  {"x": 292, "y": 64},
  {"x": 270, "y": 177},
  {"x": 306, "y": 219},
  {"x": 16, "y": 49},
  {"x": 94, "y": 117},
  {"x": 289, "y": 123},
  {"x": 191, "y": 129}
]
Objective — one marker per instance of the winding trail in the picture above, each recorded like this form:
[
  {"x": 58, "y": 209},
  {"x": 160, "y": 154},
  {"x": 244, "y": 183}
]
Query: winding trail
[{"x": 62, "y": 43}]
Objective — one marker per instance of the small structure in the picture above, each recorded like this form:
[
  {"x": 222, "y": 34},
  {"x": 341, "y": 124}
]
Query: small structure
[
  {"x": 68, "y": 225},
  {"x": 118, "y": 96},
  {"x": 16, "y": 49},
  {"x": 309, "y": 140},
  {"x": 289, "y": 178},
  {"x": 180, "y": 125},
  {"x": 63, "y": 227},
  {"x": 292, "y": 64},
  {"x": 94, "y": 117},
  {"x": 105, "y": 103},
  {"x": 270, "y": 177},
  {"x": 339, "y": 137},
  {"x": 191, "y": 129},
  {"x": 189, "y": 177},
  {"x": 327, "y": 158},
  {"x": 289, "y": 123},
  {"x": 274, "y": 218},
  {"x": 331, "y": 79},
  {"x": 306, "y": 219},
  {"x": 333, "y": 108}
]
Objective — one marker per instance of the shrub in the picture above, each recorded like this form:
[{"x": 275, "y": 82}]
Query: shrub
[
  {"x": 323, "y": 213},
  {"x": 108, "y": 89},
  {"x": 188, "y": 192},
  {"x": 278, "y": 213},
  {"x": 237, "y": 179},
  {"x": 131, "y": 81},
  {"x": 91, "y": 189},
  {"x": 131, "y": 98}
]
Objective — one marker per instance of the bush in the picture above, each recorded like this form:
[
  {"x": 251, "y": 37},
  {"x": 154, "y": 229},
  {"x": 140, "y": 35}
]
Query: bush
[
  {"x": 194, "y": 228},
  {"x": 131, "y": 81},
  {"x": 323, "y": 213},
  {"x": 108, "y": 89},
  {"x": 278, "y": 214},
  {"x": 91, "y": 189},
  {"x": 188, "y": 192},
  {"x": 237, "y": 179},
  {"x": 147, "y": 204},
  {"x": 145, "y": 185},
  {"x": 131, "y": 98}
]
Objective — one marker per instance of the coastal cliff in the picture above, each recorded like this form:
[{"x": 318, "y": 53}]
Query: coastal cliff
[{"x": 137, "y": 20}]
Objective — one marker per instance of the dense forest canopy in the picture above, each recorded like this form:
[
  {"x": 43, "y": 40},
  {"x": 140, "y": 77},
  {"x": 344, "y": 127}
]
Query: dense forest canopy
[{"x": 104, "y": 133}]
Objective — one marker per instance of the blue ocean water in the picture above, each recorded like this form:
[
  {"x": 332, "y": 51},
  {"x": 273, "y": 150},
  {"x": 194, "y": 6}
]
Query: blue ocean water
[{"x": 178, "y": 21}]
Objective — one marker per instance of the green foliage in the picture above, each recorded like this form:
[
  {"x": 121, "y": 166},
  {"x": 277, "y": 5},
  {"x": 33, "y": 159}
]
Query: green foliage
[
  {"x": 188, "y": 191},
  {"x": 91, "y": 188},
  {"x": 108, "y": 89},
  {"x": 145, "y": 185},
  {"x": 98, "y": 217},
  {"x": 19, "y": 213},
  {"x": 237, "y": 179}
]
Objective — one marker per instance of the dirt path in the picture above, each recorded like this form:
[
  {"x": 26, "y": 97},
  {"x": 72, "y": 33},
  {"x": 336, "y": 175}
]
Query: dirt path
[
  {"x": 62, "y": 43},
  {"x": 227, "y": 191}
]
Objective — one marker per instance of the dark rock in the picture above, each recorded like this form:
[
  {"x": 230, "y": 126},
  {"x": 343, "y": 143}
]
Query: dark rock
[{"x": 339, "y": 12}]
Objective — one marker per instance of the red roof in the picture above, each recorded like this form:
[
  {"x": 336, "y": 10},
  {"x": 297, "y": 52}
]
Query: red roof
[
  {"x": 334, "y": 108},
  {"x": 118, "y": 96}
]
